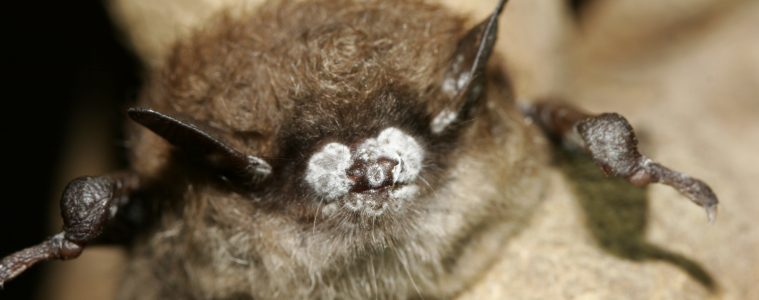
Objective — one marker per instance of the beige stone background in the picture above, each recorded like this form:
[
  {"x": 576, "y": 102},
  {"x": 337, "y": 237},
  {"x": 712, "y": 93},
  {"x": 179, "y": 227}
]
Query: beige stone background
[{"x": 684, "y": 72}]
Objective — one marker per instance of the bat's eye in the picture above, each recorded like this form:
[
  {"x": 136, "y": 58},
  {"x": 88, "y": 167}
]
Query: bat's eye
[{"x": 393, "y": 158}]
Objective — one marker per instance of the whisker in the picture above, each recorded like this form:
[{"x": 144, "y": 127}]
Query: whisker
[{"x": 404, "y": 264}]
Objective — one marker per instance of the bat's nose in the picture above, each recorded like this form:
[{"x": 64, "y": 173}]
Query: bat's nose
[{"x": 372, "y": 175}]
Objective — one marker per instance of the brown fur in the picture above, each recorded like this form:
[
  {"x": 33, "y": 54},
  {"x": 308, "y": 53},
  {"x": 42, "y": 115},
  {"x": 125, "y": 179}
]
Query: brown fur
[{"x": 282, "y": 80}]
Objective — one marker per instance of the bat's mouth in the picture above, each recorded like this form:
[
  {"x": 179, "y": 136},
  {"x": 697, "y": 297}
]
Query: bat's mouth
[
  {"x": 376, "y": 202},
  {"x": 372, "y": 203}
]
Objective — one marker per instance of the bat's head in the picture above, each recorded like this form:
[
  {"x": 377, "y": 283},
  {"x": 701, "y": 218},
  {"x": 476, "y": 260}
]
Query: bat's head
[
  {"x": 360, "y": 123},
  {"x": 337, "y": 132}
]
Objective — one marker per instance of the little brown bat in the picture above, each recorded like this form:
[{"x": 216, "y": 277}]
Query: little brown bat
[{"x": 330, "y": 149}]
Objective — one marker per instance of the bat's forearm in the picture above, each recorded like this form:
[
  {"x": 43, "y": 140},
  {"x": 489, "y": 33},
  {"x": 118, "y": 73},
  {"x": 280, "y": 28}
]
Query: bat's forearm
[
  {"x": 610, "y": 140},
  {"x": 87, "y": 205}
]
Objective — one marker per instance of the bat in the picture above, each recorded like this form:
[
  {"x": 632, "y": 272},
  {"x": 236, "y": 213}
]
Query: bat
[{"x": 331, "y": 149}]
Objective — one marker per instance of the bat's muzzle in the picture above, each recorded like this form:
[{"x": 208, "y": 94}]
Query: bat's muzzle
[{"x": 372, "y": 175}]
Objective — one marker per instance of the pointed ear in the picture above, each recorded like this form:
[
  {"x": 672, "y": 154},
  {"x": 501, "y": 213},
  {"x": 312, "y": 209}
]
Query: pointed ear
[
  {"x": 463, "y": 81},
  {"x": 189, "y": 137}
]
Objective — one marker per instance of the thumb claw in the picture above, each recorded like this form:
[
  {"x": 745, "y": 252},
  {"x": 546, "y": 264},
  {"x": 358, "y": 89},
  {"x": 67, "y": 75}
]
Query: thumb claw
[{"x": 711, "y": 213}]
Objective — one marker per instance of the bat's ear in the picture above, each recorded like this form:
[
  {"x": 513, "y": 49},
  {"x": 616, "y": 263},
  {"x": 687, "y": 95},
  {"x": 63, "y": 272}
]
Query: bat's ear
[
  {"x": 463, "y": 82},
  {"x": 202, "y": 142}
]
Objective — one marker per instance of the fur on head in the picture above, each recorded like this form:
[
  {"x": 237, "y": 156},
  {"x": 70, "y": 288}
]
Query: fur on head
[{"x": 384, "y": 181}]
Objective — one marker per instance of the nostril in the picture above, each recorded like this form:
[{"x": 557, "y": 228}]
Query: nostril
[
  {"x": 372, "y": 175},
  {"x": 387, "y": 163},
  {"x": 356, "y": 172},
  {"x": 376, "y": 175}
]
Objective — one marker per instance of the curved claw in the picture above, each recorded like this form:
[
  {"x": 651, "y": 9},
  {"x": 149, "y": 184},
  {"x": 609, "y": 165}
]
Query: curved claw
[{"x": 711, "y": 213}]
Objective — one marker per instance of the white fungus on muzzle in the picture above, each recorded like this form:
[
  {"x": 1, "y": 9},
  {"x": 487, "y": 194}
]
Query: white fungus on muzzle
[{"x": 327, "y": 168}]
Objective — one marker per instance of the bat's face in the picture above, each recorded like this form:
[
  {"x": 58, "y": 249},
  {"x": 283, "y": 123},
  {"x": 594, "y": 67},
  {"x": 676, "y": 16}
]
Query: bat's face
[
  {"x": 356, "y": 122},
  {"x": 355, "y": 143},
  {"x": 361, "y": 163}
]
